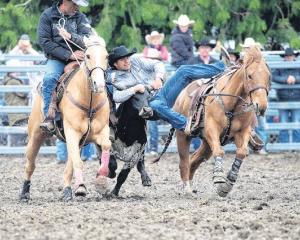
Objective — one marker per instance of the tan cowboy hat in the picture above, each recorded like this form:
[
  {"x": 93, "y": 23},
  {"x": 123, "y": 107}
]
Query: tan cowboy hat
[
  {"x": 183, "y": 20},
  {"x": 155, "y": 35},
  {"x": 248, "y": 42}
]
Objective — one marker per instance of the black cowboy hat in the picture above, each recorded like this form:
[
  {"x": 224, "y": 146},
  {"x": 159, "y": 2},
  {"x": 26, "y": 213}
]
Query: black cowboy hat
[
  {"x": 289, "y": 52},
  {"x": 205, "y": 42},
  {"x": 234, "y": 52},
  {"x": 118, "y": 53}
]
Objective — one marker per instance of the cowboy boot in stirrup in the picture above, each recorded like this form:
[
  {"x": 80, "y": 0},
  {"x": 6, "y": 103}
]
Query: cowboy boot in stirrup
[{"x": 48, "y": 125}]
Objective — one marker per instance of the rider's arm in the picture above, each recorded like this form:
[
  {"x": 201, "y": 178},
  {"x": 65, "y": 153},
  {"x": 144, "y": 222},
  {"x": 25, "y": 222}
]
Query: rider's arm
[
  {"x": 84, "y": 29},
  {"x": 46, "y": 42},
  {"x": 151, "y": 65}
]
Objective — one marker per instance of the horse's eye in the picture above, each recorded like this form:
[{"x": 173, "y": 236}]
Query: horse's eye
[
  {"x": 249, "y": 76},
  {"x": 88, "y": 56}
]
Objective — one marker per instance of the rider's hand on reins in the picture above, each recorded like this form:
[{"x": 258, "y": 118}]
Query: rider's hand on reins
[{"x": 64, "y": 34}]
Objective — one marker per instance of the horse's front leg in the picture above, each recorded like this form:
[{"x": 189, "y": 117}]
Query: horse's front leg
[
  {"x": 72, "y": 139},
  {"x": 36, "y": 138},
  {"x": 212, "y": 136},
  {"x": 241, "y": 140},
  {"x": 183, "y": 145},
  {"x": 146, "y": 181},
  {"x": 103, "y": 140}
]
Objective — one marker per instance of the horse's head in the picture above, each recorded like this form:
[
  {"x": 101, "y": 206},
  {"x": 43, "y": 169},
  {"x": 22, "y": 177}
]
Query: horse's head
[
  {"x": 96, "y": 62},
  {"x": 257, "y": 78}
]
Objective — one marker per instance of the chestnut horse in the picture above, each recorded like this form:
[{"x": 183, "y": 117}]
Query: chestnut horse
[
  {"x": 229, "y": 112},
  {"x": 84, "y": 110}
]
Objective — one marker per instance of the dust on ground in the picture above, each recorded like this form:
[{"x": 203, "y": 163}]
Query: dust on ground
[{"x": 264, "y": 203}]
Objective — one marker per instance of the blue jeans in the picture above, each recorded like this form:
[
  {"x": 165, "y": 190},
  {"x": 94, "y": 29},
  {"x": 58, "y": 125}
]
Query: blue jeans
[
  {"x": 289, "y": 116},
  {"x": 260, "y": 129},
  {"x": 164, "y": 100},
  {"x": 54, "y": 69},
  {"x": 153, "y": 131},
  {"x": 61, "y": 151},
  {"x": 88, "y": 152}
]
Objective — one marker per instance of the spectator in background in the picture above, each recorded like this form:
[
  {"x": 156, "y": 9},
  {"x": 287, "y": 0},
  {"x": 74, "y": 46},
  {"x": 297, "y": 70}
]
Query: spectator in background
[
  {"x": 204, "y": 47},
  {"x": 290, "y": 77},
  {"x": 154, "y": 48},
  {"x": 233, "y": 55},
  {"x": 23, "y": 47},
  {"x": 88, "y": 152},
  {"x": 181, "y": 42}
]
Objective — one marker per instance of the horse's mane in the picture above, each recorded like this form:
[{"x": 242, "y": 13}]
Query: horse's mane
[{"x": 252, "y": 54}]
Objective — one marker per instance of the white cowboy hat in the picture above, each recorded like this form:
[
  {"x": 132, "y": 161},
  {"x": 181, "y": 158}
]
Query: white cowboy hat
[
  {"x": 81, "y": 3},
  {"x": 183, "y": 20},
  {"x": 248, "y": 42},
  {"x": 153, "y": 35}
]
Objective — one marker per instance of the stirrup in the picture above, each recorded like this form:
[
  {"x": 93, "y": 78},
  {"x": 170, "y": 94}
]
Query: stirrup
[
  {"x": 48, "y": 126},
  {"x": 255, "y": 142}
]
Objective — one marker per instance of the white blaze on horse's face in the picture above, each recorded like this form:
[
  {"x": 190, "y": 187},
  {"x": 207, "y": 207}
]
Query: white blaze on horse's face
[
  {"x": 257, "y": 80},
  {"x": 96, "y": 62}
]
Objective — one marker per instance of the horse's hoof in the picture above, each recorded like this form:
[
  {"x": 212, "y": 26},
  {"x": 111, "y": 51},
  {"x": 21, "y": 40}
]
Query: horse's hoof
[
  {"x": 224, "y": 188},
  {"x": 67, "y": 194},
  {"x": 111, "y": 174},
  {"x": 101, "y": 184},
  {"x": 219, "y": 177},
  {"x": 25, "y": 197},
  {"x": 25, "y": 192},
  {"x": 146, "y": 181},
  {"x": 81, "y": 191}
]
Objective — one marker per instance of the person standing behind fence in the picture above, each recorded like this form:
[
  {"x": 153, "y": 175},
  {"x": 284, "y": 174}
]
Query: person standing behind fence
[
  {"x": 155, "y": 50},
  {"x": 292, "y": 78},
  {"x": 204, "y": 47},
  {"x": 60, "y": 23},
  {"x": 181, "y": 42}
]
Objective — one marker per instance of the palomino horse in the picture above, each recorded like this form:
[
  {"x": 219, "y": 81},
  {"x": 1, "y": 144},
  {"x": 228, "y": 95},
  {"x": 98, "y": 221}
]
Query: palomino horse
[
  {"x": 228, "y": 113},
  {"x": 84, "y": 110}
]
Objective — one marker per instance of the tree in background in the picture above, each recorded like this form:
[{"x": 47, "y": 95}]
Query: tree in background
[{"x": 128, "y": 21}]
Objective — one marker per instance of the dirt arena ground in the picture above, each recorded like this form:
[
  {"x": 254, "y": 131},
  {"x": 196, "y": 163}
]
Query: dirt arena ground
[{"x": 264, "y": 204}]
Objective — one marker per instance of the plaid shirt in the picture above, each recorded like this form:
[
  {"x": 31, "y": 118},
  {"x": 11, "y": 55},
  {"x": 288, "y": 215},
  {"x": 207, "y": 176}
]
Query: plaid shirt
[{"x": 143, "y": 71}]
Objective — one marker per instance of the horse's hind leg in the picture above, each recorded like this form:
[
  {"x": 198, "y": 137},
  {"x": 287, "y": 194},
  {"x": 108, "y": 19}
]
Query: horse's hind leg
[
  {"x": 183, "y": 145},
  {"x": 35, "y": 140},
  {"x": 199, "y": 156},
  {"x": 146, "y": 181}
]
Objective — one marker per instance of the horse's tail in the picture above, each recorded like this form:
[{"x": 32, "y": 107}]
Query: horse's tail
[{"x": 167, "y": 143}]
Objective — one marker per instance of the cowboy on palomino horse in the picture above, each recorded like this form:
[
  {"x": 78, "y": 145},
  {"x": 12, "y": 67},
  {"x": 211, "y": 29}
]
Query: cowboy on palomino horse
[
  {"x": 244, "y": 91},
  {"x": 84, "y": 95},
  {"x": 132, "y": 77}
]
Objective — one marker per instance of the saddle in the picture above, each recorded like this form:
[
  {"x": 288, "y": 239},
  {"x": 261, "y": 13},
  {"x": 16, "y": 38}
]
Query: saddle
[{"x": 197, "y": 91}]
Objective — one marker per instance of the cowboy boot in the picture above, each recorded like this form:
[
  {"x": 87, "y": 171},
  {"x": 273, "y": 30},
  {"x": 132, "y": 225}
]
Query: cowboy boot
[{"x": 48, "y": 125}]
